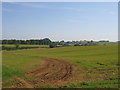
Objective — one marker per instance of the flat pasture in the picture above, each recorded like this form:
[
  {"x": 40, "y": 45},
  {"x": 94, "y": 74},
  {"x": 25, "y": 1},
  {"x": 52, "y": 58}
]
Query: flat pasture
[{"x": 97, "y": 66}]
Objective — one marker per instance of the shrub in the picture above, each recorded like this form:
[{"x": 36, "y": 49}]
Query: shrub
[
  {"x": 16, "y": 46},
  {"x": 52, "y": 45},
  {"x": 76, "y": 45},
  {"x": 3, "y": 47}
]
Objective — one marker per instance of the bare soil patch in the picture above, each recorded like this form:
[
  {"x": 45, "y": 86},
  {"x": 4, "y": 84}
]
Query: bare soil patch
[{"x": 54, "y": 72}]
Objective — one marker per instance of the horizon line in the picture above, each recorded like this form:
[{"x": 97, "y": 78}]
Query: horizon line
[{"x": 64, "y": 40}]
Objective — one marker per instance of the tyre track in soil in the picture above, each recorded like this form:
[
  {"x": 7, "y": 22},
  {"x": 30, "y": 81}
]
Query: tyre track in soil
[{"x": 54, "y": 72}]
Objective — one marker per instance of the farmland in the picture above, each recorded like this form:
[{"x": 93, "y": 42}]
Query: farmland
[
  {"x": 9, "y": 45},
  {"x": 81, "y": 66}
]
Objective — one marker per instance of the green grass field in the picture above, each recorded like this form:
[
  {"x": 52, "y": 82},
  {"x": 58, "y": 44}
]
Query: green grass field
[
  {"x": 8, "y": 45},
  {"x": 99, "y": 63}
]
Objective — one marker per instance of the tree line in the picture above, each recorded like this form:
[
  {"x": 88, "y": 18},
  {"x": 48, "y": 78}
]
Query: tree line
[{"x": 45, "y": 41}]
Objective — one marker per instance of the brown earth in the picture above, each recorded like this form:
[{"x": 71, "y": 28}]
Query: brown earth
[{"x": 53, "y": 72}]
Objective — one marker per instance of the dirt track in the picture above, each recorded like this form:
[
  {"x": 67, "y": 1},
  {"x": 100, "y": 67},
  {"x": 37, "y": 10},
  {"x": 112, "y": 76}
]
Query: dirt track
[{"x": 53, "y": 72}]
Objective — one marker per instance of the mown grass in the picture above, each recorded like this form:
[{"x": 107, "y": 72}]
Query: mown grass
[{"x": 87, "y": 58}]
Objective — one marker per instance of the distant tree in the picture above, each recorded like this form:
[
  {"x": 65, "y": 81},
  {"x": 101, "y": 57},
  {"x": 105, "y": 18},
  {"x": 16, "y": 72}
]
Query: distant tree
[
  {"x": 65, "y": 44},
  {"x": 92, "y": 41},
  {"x": 3, "y": 47},
  {"x": 77, "y": 45},
  {"x": 85, "y": 44},
  {"x": 46, "y": 41},
  {"x": 62, "y": 41},
  {"x": 17, "y": 46},
  {"x": 104, "y": 41},
  {"x": 52, "y": 45}
]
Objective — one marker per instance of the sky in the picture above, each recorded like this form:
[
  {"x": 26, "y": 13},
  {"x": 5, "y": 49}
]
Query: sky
[{"x": 60, "y": 20}]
